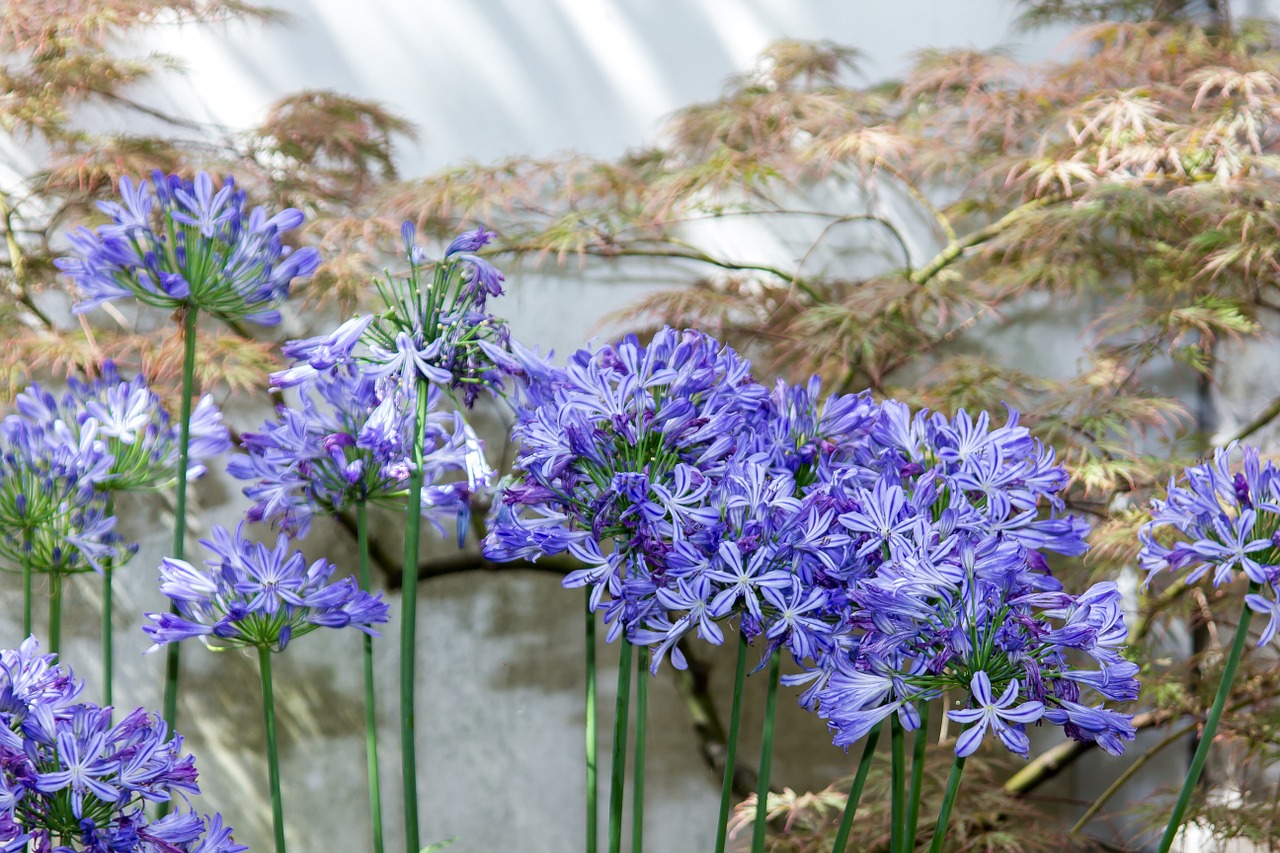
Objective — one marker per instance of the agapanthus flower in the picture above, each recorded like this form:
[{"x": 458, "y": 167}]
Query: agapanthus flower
[
  {"x": 72, "y": 777},
  {"x": 351, "y": 440},
  {"x": 176, "y": 243},
  {"x": 132, "y": 423},
  {"x": 53, "y": 511},
  {"x": 248, "y": 594},
  {"x": 945, "y": 586},
  {"x": 433, "y": 327}
]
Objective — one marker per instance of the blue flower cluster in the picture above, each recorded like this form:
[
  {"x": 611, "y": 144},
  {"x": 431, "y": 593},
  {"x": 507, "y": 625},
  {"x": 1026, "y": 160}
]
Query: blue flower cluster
[
  {"x": 175, "y": 242},
  {"x": 62, "y": 456},
  {"x": 351, "y": 440},
  {"x": 1225, "y": 522},
  {"x": 895, "y": 556},
  {"x": 252, "y": 595},
  {"x": 71, "y": 780}
]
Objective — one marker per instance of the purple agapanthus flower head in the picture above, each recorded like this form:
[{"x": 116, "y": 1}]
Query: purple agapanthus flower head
[
  {"x": 71, "y": 776},
  {"x": 53, "y": 508},
  {"x": 174, "y": 243},
  {"x": 131, "y": 421},
  {"x": 249, "y": 594},
  {"x": 351, "y": 440}
]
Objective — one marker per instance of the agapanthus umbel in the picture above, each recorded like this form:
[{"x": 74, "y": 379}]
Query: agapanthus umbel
[
  {"x": 248, "y": 594},
  {"x": 175, "y": 242},
  {"x": 947, "y": 589},
  {"x": 434, "y": 327},
  {"x": 53, "y": 514},
  {"x": 131, "y": 421},
  {"x": 72, "y": 780},
  {"x": 1222, "y": 522},
  {"x": 351, "y": 440}
]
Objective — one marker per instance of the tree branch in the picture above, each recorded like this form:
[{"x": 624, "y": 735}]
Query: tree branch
[{"x": 954, "y": 250}]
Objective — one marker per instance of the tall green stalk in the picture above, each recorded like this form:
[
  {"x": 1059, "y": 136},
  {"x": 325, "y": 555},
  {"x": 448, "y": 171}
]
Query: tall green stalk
[
  {"x": 898, "y": 784},
  {"x": 948, "y": 800},
  {"x": 642, "y": 718},
  {"x": 26, "y": 600},
  {"x": 108, "y": 610},
  {"x": 766, "y": 756},
  {"x": 409, "y": 627},
  {"x": 55, "y": 611},
  {"x": 370, "y": 702},
  {"x": 618, "y": 769},
  {"x": 855, "y": 792},
  {"x": 592, "y": 784},
  {"x": 273, "y": 759},
  {"x": 178, "y": 551},
  {"x": 1210, "y": 724},
  {"x": 917, "y": 777},
  {"x": 731, "y": 747}
]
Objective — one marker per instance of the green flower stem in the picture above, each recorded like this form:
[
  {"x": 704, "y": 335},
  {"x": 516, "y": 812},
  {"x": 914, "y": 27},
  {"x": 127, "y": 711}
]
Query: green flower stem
[
  {"x": 766, "y": 756},
  {"x": 592, "y": 786},
  {"x": 370, "y": 706},
  {"x": 273, "y": 760},
  {"x": 897, "y": 786},
  {"x": 855, "y": 792},
  {"x": 1210, "y": 724},
  {"x": 55, "y": 611},
  {"x": 948, "y": 800},
  {"x": 618, "y": 771},
  {"x": 171, "y": 668},
  {"x": 408, "y": 628},
  {"x": 731, "y": 747},
  {"x": 26, "y": 600},
  {"x": 108, "y": 609},
  {"x": 917, "y": 776},
  {"x": 642, "y": 717}
]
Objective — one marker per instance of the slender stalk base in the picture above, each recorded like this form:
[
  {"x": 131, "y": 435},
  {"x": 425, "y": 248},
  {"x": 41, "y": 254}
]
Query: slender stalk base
[
  {"x": 898, "y": 785},
  {"x": 172, "y": 650},
  {"x": 761, "y": 823},
  {"x": 1210, "y": 725},
  {"x": 917, "y": 777},
  {"x": 108, "y": 643},
  {"x": 370, "y": 701},
  {"x": 731, "y": 747},
  {"x": 26, "y": 601},
  {"x": 55, "y": 611},
  {"x": 592, "y": 783},
  {"x": 855, "y": 792},
  {"x": 948, "y": 800},
  {"x": 642, "y": 718},
  {"x": 408, "y": 630},
  {"x": 618, "y": 770},
  {"x": 273, "y": 760}
]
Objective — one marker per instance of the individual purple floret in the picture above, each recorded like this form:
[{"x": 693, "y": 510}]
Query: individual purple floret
[
  {"x": 251, "y": 595},
  {"x": 177, "y": 242},
  {"x": 71, "y": 777}
]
